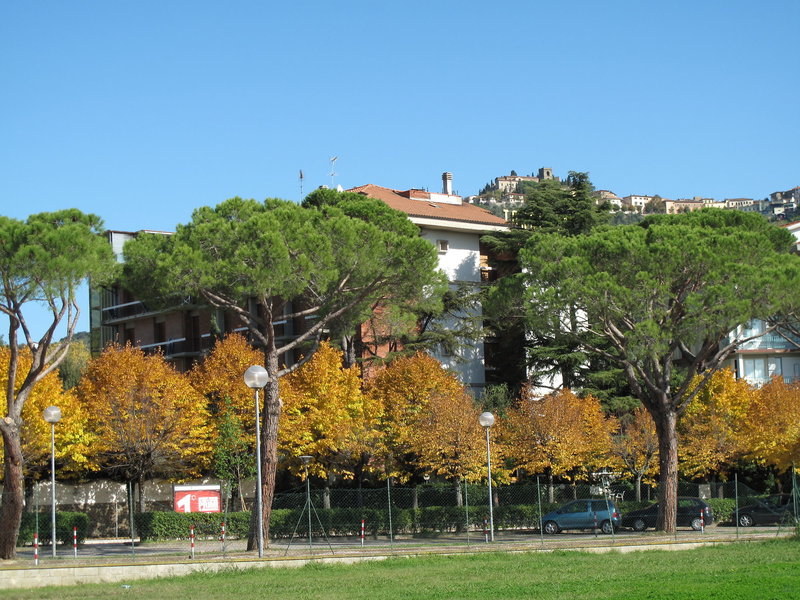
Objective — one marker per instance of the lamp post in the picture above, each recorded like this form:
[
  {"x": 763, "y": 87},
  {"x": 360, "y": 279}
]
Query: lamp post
[
  {"x": 256, "y": 377},
  {"x": 305, "y": 459},
  {"x": 52, "y": 414},
  {"x": 486, "y": 420}
]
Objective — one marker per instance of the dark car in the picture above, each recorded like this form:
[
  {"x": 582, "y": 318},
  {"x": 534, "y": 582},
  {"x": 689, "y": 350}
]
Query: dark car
[
  {"x": 582, "y": 514},
  {"x": 692, "y": 512},
  {"x": 773, "y": 509}
]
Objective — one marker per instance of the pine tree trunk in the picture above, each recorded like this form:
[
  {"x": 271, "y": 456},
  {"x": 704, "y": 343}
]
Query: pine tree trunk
[
  {"x": 13, "y": 490},
  {"x": 666, "y": 421},
  {"x": 269, "y": 455}
]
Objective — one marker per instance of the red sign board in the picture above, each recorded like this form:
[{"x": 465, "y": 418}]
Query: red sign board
[{"x": 197, "y": 498}]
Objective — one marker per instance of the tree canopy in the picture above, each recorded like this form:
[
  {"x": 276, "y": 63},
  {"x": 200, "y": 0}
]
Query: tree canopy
[
  {"x": 273, "y": 263},
  {"x": 43, "y": 260},
  {"x": 147, "y": 419},
  {"x": 659, "y": 300},
  {"x": 326, "y": 415},
  {"x": 560, "y": 433}
]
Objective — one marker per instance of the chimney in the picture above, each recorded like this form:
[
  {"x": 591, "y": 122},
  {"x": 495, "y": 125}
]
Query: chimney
[{"x": 447, "y": 183}]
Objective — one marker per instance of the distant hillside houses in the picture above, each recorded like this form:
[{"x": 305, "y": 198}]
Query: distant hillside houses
[{"x": 503, "y": 195}]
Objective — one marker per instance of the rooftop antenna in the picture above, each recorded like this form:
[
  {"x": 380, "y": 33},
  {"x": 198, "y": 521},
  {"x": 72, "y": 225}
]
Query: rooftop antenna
[
  {"x": 333, "y": 169},
  {"x": 301, "y": 185}
]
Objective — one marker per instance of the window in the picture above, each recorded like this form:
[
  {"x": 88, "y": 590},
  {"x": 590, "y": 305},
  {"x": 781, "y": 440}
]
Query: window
[
  {"x": 760, "y": 370},
  {"x": 575, "y": 507},
  {"x": 442, "y": 246},
  {"x": 159, "y": 331}
]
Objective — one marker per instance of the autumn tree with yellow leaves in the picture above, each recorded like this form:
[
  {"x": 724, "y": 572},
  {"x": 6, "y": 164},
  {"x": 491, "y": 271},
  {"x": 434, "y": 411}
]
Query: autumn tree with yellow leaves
[
  {"x": 635, "y": 447},
  {"x": 403, "y": 391},
  {"x": 72, "y": 440},
  {"x": 448, "y": 440},
  {"x": 219, "y": 377},
  {"x": 326, "y": 416},
  {"x": 561, "y": 434},
  {"x": 771, "y": 429},
  {"x": 148, "y": 419},
  {"x": 709, "y": 439}
]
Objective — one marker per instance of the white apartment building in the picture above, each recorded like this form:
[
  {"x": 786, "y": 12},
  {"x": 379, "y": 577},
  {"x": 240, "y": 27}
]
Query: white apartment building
[{"x": 455, "y": 228}]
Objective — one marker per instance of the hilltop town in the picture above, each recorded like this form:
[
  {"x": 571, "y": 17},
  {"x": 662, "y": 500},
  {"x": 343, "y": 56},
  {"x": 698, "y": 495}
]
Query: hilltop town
[{"x": 504, "y": 194}]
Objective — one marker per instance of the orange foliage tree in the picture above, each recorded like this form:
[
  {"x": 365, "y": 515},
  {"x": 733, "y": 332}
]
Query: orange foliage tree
[
  {"x": 448, "y": 440},
  {"x": 326, "y": 416},
  {"x": 561, "y": 433},
  {"x": 635, "y": 447},
  {"x": 402, "y": 392},
  {"x": 220, "y": 376},
  {"x": 708, "y": 431},
  {"x": 73, "y": 441},
  {"x": 771, "y": 429},
  {"x": 148, "y": 419}
]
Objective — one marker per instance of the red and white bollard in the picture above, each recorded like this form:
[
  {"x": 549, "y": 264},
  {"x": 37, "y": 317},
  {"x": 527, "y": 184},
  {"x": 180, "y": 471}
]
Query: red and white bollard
[
  {"x": 702, "y": 522},
  {"x": 362, "y": 533},
  {"x": 486, "y": 530},
  {"x": 36, "y": 549},
  {"x": 191, "y": 538},
  {"x": 222, "y": 535},
  {"x": 75, "y": 542}
]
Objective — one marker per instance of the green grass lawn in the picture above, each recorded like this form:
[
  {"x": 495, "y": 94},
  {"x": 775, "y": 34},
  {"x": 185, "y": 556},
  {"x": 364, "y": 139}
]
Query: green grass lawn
[{"x": 746, "y": 570}]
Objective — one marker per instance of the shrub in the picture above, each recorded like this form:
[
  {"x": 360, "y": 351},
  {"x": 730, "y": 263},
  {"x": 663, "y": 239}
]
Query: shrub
[
  {"x": 65, "y": 521},
  {"x": 723, "y": 509}
]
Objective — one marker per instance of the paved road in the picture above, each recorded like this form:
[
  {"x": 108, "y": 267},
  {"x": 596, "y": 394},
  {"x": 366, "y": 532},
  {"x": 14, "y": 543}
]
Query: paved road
[{"x": 121, "y": 551}]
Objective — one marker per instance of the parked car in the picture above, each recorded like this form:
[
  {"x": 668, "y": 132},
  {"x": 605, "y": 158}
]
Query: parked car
[
  {"x": 582, "y": 514},
  {"x": 688, "y": 515},
  {"x": 778, "y": 508}
]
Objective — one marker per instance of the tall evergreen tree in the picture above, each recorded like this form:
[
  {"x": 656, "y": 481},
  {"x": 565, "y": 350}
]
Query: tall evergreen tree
[
  {"x": 659, "y": 301},
  {"x": 43, "y": 260},
  {"x": 273, "y": 262}
]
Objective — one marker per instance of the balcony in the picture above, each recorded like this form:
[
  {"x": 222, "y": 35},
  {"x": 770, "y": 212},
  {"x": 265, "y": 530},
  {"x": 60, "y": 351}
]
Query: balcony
[
  {"x": 123, "y": 311},
  {"x": 181, "y": 346}
]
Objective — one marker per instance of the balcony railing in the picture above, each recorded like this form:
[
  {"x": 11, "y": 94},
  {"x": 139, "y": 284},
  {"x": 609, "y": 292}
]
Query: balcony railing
[
  {"x": 180, "y": 346},
  {"x": 123, "y": 311}
]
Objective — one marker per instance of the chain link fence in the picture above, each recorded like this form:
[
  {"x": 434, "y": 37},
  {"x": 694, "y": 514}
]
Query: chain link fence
[{"x": 313, "y": 520}]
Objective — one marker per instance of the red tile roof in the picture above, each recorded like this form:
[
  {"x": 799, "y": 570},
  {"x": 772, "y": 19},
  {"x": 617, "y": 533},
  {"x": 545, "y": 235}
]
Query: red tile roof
[{"x": 417, "y": 203}]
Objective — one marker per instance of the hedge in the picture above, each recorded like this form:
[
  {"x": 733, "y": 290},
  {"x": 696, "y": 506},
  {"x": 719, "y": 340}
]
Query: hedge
[
  {"x": 65, "y": 521},
  {"x": 285, "y": 522}
]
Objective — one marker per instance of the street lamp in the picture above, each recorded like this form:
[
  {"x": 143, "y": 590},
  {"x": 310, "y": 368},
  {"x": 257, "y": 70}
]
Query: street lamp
[
  {"x": 305, "y": 459},
  {"x": 486, "y": 420},
  {"x": 52, "y": 414},
  {"x": 256, "y": 377}
]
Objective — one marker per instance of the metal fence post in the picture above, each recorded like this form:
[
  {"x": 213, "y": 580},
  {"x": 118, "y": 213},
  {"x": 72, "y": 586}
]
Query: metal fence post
[
  {"x": 389, "y": 496},
  {"x": 736, "y": 497}
]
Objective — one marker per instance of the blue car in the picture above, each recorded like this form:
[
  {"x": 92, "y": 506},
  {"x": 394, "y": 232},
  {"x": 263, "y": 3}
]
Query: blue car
[{"x": 582, "y": 514}]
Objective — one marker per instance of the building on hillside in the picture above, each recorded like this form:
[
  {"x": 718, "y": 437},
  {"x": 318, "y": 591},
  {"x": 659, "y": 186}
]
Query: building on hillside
[
  {"x": 635, "y": 202},
  {"x": 792, "y": 195},
  {"x": 508, "y": 183},
  {"x": 455, "y": 228},
  {"x": 610, "y": 197},
  {"x": 672, "y": 207},
  {"x": 743, "y": 204}
]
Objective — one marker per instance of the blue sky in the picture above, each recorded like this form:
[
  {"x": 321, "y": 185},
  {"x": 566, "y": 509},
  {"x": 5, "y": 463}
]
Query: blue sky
[{"x": 142, "y": 111}]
